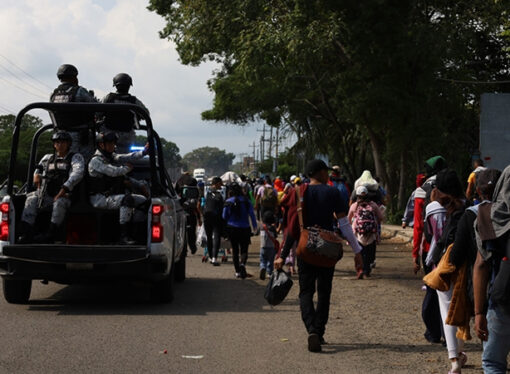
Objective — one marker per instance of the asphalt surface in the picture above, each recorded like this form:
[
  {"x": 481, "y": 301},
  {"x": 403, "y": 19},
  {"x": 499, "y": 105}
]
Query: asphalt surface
[{"x": 219, "y": 324}]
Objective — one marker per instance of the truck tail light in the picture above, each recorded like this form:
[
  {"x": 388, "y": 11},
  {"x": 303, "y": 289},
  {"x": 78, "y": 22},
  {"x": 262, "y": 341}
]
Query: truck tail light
[
  {"x": 156, "y": 226},
  {"x": 4, "y": 224}
]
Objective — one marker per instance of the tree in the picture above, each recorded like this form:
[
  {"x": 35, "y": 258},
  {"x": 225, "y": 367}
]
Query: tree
[
  {"x": 171, "y": 151},
  {"x": 29, "y": 125},
  {"x": 350, "y": 76},
  {"x": 214, "y": 160}
]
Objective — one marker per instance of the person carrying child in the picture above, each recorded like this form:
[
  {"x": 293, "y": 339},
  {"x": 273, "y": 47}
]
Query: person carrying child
[
  {"x": 365, "y": 216},
  {"x": 268, "y": 244}
]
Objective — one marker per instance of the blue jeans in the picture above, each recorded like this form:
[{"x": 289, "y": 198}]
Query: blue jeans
[
  {"x": 267, "y": 259},
  {"x": 496, "y": 349}
]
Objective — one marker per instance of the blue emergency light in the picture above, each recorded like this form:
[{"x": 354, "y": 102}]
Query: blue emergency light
[{"x": 136, "y": 148}]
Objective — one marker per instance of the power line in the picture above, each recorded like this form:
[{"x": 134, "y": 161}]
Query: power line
[
  {"x": 27, "y": 74},
  {"x": 5, "y": 109},
  {"x": 22, "y": 81},
  {"x": 23, "y": 89},
  {"x": 471, "y": 82}
]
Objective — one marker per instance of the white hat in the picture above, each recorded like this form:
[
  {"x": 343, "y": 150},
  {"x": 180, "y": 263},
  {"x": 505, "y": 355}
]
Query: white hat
[
  {"x": 361, "y": 190},
  {"x": 292, "y": 178}
]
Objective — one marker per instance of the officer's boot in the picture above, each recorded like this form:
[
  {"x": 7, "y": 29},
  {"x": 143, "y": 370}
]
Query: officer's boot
[
  {"x": 27, "y": 233},
  {"x": 124, "y": 235}
]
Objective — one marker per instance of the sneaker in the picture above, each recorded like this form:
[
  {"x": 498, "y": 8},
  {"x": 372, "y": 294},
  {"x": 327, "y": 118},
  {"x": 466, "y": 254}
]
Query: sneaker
[
  {"x": 462, "y": 359},
  {"x": 215, "y": 262},
  {"x": 314, "y": 343},
  {"x": 238, "y": 275},
  {"x": 262, "y": 274},
  {"x": 242, "y": 271}
]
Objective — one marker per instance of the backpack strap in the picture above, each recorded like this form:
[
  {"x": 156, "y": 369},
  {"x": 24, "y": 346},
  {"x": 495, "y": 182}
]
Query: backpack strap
[
  {"x": 300, "y": 207},
  {"x": 271, "y": 237}
]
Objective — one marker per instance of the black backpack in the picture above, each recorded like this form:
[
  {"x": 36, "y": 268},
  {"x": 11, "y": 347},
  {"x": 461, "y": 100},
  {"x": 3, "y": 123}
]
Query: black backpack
[
  {"x": 448, "y": 236},
  {"x": 500, "y": 292}
]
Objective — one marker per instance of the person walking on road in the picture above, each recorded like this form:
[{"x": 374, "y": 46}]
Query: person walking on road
[
  {"x": 213, "y": 223},
  {"x": 492, "y": 324},
  {"x": 322, "y": 206},
  {"x": 237, "y": 214},
  {"x": 365, "y": 216}
]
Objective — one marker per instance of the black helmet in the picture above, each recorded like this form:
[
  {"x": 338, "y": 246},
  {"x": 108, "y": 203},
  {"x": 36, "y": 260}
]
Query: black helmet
[
  {"x": 103, "y": 137},
  {"x": 62, "y": 135},
  {"x": 122, "y": 79},
  {"x": 66, "y": 70}
]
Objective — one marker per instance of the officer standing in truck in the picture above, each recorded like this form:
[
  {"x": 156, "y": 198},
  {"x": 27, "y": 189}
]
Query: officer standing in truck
[
  {"x": 109, "y": 186},
  {"x": 122, "y": 123},
  {"x": 78, "y": 124},
  {"x": 55, "y": 178}
]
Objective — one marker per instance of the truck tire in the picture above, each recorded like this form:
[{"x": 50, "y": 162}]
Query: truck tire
[
  {"x": 180, "y": 267},
  {"x": 17, "y": 291},
  {"x": 163, "y": 290}
]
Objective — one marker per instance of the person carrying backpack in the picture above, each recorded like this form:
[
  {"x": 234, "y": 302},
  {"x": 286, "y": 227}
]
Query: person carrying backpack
[
  {"x": 430, "y": 305},
  {"x": 442, "y": 217},
  {"x": 267, "y": 198},
  {"x": 492, "y": 267},
  {"x": 213, "y": 222},
  {"x": 365, "y": 216}
]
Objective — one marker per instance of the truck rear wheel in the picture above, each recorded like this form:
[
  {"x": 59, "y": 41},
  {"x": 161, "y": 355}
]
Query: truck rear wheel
[
  {"x": 180, "y": 267},
  {"x": 163, "y": 290},
  {"x": 17, "y": 291}
]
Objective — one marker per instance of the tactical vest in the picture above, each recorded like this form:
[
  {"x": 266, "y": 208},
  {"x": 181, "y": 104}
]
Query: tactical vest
[
  {"x": 106, "y": 185},
  {"x": 69, "y": 120},
  {"x": 56, "y": 173},
  {"x": 120, "y": 120}
]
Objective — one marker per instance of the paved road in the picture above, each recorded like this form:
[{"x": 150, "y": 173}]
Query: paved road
[{"x": 225, "y": 326}]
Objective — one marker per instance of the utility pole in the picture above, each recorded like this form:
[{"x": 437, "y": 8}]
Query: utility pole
[
  {"x": 262, "y": 142},
  {"x": 277, "y": 142},
  {"x": 270, "y": 143}
]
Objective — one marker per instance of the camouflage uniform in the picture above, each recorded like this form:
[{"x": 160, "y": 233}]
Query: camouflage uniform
[
  {"x": 104, "y": 170},
  {"x": 74, "y": 165}
]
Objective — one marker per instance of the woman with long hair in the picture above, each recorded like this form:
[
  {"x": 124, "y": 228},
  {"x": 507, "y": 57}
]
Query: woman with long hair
[
  {"x": 237, "y": 213},
  {"x": 442, "y": 214}
]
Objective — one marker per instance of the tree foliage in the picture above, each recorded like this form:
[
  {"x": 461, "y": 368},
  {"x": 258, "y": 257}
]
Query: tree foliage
[
  {"x": 212, "y": 159},
  {"x": 347, "y": 77},
  {"x": 29, "y": 126}
]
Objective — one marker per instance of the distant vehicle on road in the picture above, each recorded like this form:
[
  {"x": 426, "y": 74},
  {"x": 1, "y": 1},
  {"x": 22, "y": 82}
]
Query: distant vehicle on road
[{"x": 90, "y": 250}]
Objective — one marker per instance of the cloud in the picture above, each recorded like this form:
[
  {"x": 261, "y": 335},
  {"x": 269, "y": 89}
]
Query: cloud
[{"x": 103, "y": 38}]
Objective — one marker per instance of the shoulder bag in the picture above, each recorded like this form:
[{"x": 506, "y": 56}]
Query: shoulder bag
[{"x": 317, "y": 246}]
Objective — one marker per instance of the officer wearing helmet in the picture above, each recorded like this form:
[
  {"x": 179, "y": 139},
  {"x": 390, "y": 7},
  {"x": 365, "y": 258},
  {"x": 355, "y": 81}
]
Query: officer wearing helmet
[
  {"x": 55, "y": 178},
  {"x": 78, "y": 124},
  {"x": 109, "y": 186},
  {"x": 122, "y": 123}
]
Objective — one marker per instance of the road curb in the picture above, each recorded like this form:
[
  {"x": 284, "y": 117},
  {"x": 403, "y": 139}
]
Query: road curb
[{"x": 393, "y": 232}]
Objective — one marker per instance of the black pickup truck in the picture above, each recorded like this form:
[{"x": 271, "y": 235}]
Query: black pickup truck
[{"x": 90, "y": 252}]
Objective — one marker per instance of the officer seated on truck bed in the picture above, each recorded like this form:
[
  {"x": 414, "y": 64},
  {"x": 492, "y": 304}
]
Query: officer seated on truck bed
[
  {"x": 55, "y": 178},
  {"x": 109, "y": 186}
]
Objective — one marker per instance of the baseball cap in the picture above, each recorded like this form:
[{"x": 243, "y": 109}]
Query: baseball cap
[
  {"x": 314, "y": 166},
  {"x": 361, "y": 190},
  {"x": 292, "y": 178},
  {"x": 486, "y": 180}
]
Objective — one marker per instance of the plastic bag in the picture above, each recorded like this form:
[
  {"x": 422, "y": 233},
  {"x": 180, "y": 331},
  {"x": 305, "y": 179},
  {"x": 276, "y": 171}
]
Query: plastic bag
[
  {"x": 278, "y": 287},
  {"x": 201, "y": 237}
]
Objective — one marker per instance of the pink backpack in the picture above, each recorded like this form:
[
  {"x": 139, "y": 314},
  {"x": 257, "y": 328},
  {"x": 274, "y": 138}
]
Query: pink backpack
[{"x": 364, "y": 219}]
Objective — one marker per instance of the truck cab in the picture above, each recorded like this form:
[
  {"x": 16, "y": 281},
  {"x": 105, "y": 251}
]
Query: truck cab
[{"x": 90, "y": 251}]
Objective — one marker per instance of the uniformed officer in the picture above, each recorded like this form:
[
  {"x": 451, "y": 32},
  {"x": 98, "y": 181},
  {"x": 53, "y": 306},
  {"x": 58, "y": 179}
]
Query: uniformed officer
[
  {"x": 55, "y": 177},
  {"x": 109, "y": 187},
  {"x": 77, "y": 124},
  {"x": 122, "y": 123}
]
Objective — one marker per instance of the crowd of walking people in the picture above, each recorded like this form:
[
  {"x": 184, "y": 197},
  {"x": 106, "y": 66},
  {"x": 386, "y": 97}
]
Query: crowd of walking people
[{"x": 460, "y": 242}]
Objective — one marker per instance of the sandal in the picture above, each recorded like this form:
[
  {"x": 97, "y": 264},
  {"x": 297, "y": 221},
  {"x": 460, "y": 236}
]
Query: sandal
[{"x": 462, "y": 359}]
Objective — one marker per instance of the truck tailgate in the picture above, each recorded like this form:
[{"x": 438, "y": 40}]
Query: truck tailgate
[{"x": 55, "y": 253}]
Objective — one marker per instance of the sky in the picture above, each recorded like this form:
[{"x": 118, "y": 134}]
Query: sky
[{"x": 103, "y": 38}]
